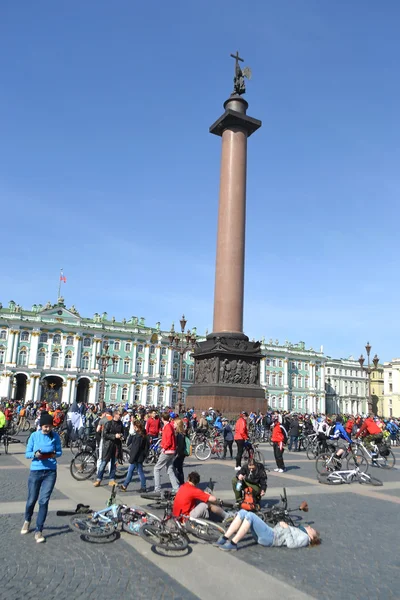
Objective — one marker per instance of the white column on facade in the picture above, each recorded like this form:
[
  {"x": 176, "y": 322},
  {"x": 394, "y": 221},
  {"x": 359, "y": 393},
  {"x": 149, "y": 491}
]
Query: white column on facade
[
  {"x": 158, "y": 361},
  {"x": 134, "y": 357},
  {"x": 49, "y": 352},
  {"x": 167, "y": 395},
  {"x": 37, "y": 390},
  {"x": 131, "y": 398},
  {"x": 169, "y": 362},
  {"x": 93, "y": 392},
  {"x": 312, "y": 376},
  {"x": 33, "y": 350},
  {"x": 10, "y": 343},
  {"x": 146, "y": 359},
  {"x": 286, "y": 372},
  {"x": 77, "y": 351},
  {"x": 62, "y": 353},
  {"x": 262, "y": 372},
  {"x": 4, "y": 385},
  {"x": 67, "y": 392},
  {"x": 74, "y": 387},
  {"x": 322, "y": 377},
  {"x": 28, "y": 393},
  {"x": 95, "y": 352},
  {"x": 143, "y": 393},
  {"x": 15, "y": 348},
  {"x": 156, "y": 388}
]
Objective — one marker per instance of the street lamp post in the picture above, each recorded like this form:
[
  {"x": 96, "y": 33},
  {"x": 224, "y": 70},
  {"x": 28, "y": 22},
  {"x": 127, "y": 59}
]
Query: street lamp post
[
  {"x": 104, "y": 359},
  {"x": 368, "y": 369},
  {"x": 181, "y": 342}
]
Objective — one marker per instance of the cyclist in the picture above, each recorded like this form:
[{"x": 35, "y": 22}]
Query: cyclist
[
  {"x": 139, "y": 449},
  {"x": 341, "y": 437},
  {"x": 393, "y": 430},
  {"x": 192, "y": 501},
  {"x": 228, "y": 437},
  {"x": 281, "y": 535},
  {"x": 241, "y": 436},
  {"x": 113, "y": 433},
  {"x": 2, "y": 423},
  {"x": 279, "y": 435},
  {"x": 153, "y": 425},
  {"x": 166, "y": 458},
  {"x": 251, "y": 475},
  {"x": 370, "y": 430}
]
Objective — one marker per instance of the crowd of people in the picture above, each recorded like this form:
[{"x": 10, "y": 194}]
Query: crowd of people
[{"x": 139, "y": 426}]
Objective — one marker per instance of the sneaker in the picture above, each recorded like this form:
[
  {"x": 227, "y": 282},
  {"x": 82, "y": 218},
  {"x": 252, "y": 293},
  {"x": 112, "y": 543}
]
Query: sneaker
[
  {"x": 281, "y": 470},
  {"x": 122, "y": 488},
  {"x": 231, "y": 514},
  {"x": 39, "y": 537},
  {"x": 25, "y": 528},
  {"x": 112, "y": 482},
  {"x": 96, "y": 483},
  {"x": 220, "y": 541},
  {"x": 228, "y": 546},
  {"x": 276, "y": 470},
  {"x": 237, "y": 468},
  {"x": 142, "y": 490}
]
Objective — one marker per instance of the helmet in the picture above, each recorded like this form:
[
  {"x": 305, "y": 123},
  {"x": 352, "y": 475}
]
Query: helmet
[{"x": 172, "y": 415}]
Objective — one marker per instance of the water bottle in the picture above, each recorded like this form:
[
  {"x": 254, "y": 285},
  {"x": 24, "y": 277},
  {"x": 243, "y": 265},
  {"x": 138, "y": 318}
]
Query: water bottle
[{"x": 238, "y": 486}]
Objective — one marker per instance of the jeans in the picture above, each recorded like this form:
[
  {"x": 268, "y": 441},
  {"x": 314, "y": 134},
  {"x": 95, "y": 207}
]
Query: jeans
[
  {"x": 40, "y": 485},
  {"x": 167, "y": 461},
  {"x": 293, "y": 440},
  {"x": 226, "y": 446},
  {"x": 178, "y": 469},
  {"x": 263, "y": 533},
  {"x": 130, "y": 473},
  {"x": 103, "y": 464}
]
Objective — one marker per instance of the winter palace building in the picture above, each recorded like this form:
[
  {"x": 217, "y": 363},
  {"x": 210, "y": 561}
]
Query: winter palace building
[{"x": 55, "y": 346}]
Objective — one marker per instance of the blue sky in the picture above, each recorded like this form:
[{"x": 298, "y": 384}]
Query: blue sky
[{"x": 108, "y": 170}]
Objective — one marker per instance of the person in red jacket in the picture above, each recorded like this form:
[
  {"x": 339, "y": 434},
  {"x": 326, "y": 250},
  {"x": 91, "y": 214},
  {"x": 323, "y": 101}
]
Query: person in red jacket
[
  {"x": 241, "y": 436},
  {"x": 153, "y": 425},
  {"x": 278, "y": 440},
  {"x": 350, "y": 425},
  {"x": 166, "y": 458},
  {"x": 371, "y": 431}
]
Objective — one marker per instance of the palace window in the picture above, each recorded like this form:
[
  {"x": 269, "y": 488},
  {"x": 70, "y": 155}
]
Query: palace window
[
  {"x": 57, "y": 339},
  {"x": 328, "y": 371},
  {"x": 139, "y": 365},
  {"x": 175, "y": 371},
  {"x": 390, "y": 374},
  {"x": 151, "y": 367},
  {"x": 87, "y": 342},
  {"x": 137, "y": 394},
  {"x": 293, "y": 365},
  {"x": 279, "y": 363},
  {"x": 299, "y": 382},
  {"x": 2, "y": 355},
  {"x": 43, "y": 338},
  {"x": 306, "y": 382},
  {"x": 70, "y": 340},
  {"x": 126, "y": 366},
  {"x": 176, "y": 355},
  {"x": 149, "y": 397},
  {"x": 115, "y": 366},
  {"x": 68, "y": 360},
  {"x": 117, "y": 346},
  {"x": 152, "y": 349},
  {"x": 280, "y": 402},
  {"x": 162, "y": 368},
  {"x": 164, "y": 352},
  {"x": 160, "y": 399},
  {"x": 293, "y": 380},
  {"x": 390, "y": 387},
  {"x": 273, "y": 379},
  {"x": 85, "y": 362},
  {"x": 183, "y": 371},
  {"x": 191, "y": 372},
  {"x": 267, "y": 362},
  {"x": 3, "y": 334},
  {"x": 299, "y": 365},
  {"x": 41, "y": 358},
  {"x": 267, "y": 378},
  {"x": 22, "y": 357},
  {"x": 174, "y": 396},
  {"x": 124, "y": 396},
  {"x": 306, "y": 366},
  {"x": 140, "y": 348},
  {"x": 280, "y": 379},
  {"x": 274, "y": 362},
  {"x": 54, "y": 360},
  {"x": 25, "y": 336},
  {"x": 114, "y": 392},
  {"x": 128, "y": 347}
]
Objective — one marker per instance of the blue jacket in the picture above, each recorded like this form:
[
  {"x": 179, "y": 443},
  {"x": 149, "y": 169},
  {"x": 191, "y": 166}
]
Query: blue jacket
[
  {"x": 46, "y": 443},
  {"x": 218, "y": 423},
  {"x": 392, "y": 428},
  {"x": 340, "y": 432}
]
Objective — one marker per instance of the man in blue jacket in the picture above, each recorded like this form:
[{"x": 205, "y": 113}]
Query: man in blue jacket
[
  {"x": 44, "y": 447},
  {"x": 340, "y": 435}
]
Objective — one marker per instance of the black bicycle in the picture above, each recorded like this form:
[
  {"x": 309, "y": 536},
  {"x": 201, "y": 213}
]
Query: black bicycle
[{"x": 84, "y": 464}]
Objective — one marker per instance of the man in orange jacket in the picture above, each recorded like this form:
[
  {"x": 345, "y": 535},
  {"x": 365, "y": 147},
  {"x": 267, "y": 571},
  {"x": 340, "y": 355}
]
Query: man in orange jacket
[
  {"x": 371, "y": 430},
  {"x": 278, "y": 439},
  {"x": 241, "y": 436}
]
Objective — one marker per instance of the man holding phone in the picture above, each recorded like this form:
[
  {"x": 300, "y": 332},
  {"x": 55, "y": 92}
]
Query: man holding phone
[
  {"x": 113, "y": 434},
  {"x": 44, "y": 447}
]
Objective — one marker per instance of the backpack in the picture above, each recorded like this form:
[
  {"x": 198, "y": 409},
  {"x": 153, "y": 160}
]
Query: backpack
[
  {"x": 383, "y": 450},
  {"x": 248, "y": 502},
  {"x": 188, "y": 446}
]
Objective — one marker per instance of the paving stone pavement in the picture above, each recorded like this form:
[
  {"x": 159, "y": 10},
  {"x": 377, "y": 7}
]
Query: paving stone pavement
[
  {"x": 66, "y": 567},
  {"x": 14, "y": 486}
]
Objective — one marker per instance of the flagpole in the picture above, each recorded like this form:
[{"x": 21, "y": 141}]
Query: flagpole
[{"x": 59, "y": 284}]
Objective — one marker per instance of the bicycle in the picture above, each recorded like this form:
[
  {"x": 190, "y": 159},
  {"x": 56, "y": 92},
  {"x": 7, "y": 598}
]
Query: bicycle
[
  {"x": 328, "y": 461},
  {"x": 205, "y": 449},
  {"x": 251, "y": 451},
  {"x": 7, "y": 439},
  {"x": 382, "y": 456},
  {"x": 154, "y": 451},
  {"x": 108, "y": 521},
  {"x": 348, "y": 476},
  {"x": 84, "y": 464},
  {"x": 171, "y": 533},
  {"x": 84, "y": 442}
]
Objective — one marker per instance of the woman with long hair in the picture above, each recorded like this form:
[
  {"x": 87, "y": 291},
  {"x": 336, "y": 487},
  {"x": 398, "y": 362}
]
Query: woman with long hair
[
  {"x": 139, "y": 449},
  {"x": 180, "y": 449}
]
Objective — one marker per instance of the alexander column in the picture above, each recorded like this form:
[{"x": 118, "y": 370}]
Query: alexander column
[{"x": 227, "y": 364}]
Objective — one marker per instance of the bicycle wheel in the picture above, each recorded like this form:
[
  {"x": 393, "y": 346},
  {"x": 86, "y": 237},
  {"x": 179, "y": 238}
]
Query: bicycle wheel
[
  {"x": 357, "y": 460},
  {"x": 122, "y": 468},
  {"x": 163, "y": 538},
  {"x": 75, "y": 446},
  {"x": 6, "y": 443},
  {"x": 386, "y": 462},
  {"x": 364, "y": 478},
  {"x": 204, "y": 530},
  {"x": 92, "y": 527},
  {"x": 26, "y": 426},
  {"x": 259, "y": 457},
  {"x": 330, "y": 478},
  {"x": 324, "y": 463},
  {"x": 83, "y": 466},
  {"x": 202, "y": 451},
  {"x": 312, "y": 452}
]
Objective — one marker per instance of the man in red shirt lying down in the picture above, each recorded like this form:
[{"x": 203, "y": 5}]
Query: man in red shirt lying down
[{"x": 192, "y": 501}]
